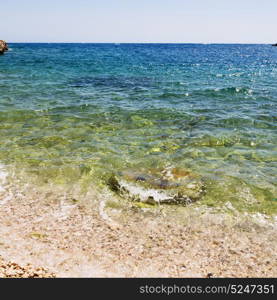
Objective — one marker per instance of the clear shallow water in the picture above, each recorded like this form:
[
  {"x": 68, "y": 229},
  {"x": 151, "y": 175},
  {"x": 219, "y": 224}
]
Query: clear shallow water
[{"x": 77, "y": 112}]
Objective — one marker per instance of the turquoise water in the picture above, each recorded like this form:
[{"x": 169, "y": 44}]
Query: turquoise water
[{"x": 78, "y": 112}]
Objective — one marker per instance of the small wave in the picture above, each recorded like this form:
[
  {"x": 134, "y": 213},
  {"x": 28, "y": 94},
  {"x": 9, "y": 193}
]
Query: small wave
[
  {"x": 227, "y": 91},
  {"x": 213, "y": 141},
  {"x": 3, "y": 173},
  {"x": 235, "y": 122},
  {"x": 167, "y": 95},
  {"x": 234, "y": 90},
  {"x": 3, "y": 177},
  {"x": 238, "y": 74},
  {"x": 144, "y": 194},
  {"x": 112, "y": 82}
]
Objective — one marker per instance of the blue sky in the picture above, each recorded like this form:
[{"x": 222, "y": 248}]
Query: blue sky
[{"x": 206, "y": 21}]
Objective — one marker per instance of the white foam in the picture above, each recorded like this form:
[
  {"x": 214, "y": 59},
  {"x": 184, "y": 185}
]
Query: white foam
[
  {"x": 65, "y": 209},
  {"x": 5, "y": 195},
  {"x": 144, "y": 194},
  {"x": 3, "y": 178},
  {"x": 3, "y": 172}
]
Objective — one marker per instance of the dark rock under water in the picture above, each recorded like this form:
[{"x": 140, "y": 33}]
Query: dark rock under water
[
  {"x": 167, "y": 186},
  {"x": 3, "y": 47}
]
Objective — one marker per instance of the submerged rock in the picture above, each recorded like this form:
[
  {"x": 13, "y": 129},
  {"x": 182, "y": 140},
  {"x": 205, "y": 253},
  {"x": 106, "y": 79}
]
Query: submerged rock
[
  {"x": 167, "y": 186},
  {"x": 3, "y": 47}
]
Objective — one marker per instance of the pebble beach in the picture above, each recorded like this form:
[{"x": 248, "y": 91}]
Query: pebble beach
[{"x": 60, "y": 239}]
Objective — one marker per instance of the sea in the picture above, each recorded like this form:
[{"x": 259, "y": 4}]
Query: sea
[{"x": 73, "y": 114}]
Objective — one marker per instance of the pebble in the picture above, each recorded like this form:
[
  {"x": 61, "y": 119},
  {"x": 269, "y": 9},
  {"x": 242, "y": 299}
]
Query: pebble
[{"x": 13, "y": 270}]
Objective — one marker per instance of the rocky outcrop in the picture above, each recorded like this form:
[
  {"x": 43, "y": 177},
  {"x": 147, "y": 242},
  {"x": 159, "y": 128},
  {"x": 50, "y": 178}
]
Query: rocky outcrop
[
  {"x": 167, "y": 186},
  {"x": 275, "y": 45},
  {"x": 3, "y": 47}
]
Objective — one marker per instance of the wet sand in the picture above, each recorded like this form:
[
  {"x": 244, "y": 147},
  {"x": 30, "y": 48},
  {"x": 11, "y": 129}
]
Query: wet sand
[{"x": 63, "y": 238}]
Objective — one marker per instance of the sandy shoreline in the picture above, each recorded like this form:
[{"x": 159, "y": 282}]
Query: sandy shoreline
[{"x": 60, "y": 238}]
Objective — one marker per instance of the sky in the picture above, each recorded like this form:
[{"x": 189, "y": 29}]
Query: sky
[{"x": 144, "y": 21}]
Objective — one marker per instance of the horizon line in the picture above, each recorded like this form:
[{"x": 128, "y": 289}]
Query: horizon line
[{"x": 197, "y": 43}]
